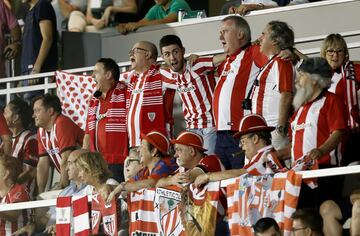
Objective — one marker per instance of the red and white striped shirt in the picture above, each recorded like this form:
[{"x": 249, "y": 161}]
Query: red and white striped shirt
[
  {"x": 64, "y": 135},
  {"x": 275, "y": 78},
  {"x": 17, "y": 193},
  {"x": 25, "y": 148},
  {"x": 237, "y": 75},
  {"x": 196, "y": 89},
  {"x": 149, "y": 104},
  {"x": 312, "y": 125},
  {"x": 347, "y": 89}
]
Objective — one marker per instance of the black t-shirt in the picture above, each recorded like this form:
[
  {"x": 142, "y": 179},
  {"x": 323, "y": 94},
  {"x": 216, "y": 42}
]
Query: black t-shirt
[{"x": 32, "y": 38}]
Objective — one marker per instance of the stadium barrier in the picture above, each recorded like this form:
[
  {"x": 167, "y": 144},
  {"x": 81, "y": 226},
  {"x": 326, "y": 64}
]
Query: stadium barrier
[{"x": 347, "y": 170}]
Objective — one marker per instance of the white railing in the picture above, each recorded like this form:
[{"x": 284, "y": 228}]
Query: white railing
[{"x": 348, "y": 170}]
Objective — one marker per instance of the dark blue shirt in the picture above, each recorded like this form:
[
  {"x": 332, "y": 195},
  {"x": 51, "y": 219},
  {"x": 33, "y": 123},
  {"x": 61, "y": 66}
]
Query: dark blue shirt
[{"x": 32, "y": 38}]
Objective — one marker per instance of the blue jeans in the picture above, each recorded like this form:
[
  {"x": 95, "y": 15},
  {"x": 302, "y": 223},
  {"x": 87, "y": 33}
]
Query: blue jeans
[
  {"x": 209, "y": 136},
  {"x": 228, "y": 150}
]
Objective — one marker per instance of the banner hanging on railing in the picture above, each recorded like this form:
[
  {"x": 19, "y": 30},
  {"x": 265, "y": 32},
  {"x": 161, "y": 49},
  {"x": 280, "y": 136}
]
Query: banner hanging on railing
[
  {"x": 75, "y": 92},
  {"x": 250, "y": 198}
]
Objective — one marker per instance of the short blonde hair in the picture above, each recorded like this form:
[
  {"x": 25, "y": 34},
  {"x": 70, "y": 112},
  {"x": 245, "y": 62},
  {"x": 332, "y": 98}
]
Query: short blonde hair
[
  {"x": 332, "y": 39},
  {"x": 93, "y": 164}
]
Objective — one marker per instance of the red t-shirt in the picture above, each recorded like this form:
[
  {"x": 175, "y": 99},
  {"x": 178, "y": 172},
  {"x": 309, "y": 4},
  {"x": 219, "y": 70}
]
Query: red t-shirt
[{"x": 64, "y": 135}]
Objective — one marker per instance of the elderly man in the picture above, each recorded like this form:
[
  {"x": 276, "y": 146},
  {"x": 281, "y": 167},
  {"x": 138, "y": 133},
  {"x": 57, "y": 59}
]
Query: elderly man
[
  {"x": 255, "y": 139},
  {"x": 236, "y": 76},
  {"x": 271, "y": 95},
  {"x": 165, "y": 11},
  {"x": 307, "y": 222},
  {"x": 106, "y": 120},
  {"x": 192, "y": 161},
  {"x": 57, "y": 136},
  {"x": 316, "y": 127},
  {"x": 150, "y": 102},
  {"x": 195, "y": 84}
]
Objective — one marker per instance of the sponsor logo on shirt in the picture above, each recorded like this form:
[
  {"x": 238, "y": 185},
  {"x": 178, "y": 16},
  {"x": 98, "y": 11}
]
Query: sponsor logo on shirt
[
  {"x": 301, "y": 126},
  {"x": 53, "y": 151},
  {"x": 186, "y": 90}
]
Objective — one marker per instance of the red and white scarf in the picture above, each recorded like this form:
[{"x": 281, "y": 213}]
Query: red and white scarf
[{"x": 105, "y": 213}]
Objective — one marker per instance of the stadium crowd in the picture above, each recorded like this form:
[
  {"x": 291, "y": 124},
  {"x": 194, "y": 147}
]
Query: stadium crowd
[{"x": 256, "y": 109}]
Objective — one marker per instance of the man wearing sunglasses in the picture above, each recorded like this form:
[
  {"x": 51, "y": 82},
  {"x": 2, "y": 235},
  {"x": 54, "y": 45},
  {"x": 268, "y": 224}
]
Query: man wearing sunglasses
[{"x": 307, "y": 222}]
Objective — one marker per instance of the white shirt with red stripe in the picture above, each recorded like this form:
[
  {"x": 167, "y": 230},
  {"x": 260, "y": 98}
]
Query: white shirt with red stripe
[
  {"x": 17, "y": 193},
  {"x": 64, "y": 135},
  {"x": 265, "y": 161},
  {"x": 275, "y": 78},
  {"x": 237, "y": 75},
  {"x": 313, "y": 124},
  {"x": 347, "y": 90},
  {"x": 136, "y": 86},
  {"x": 25, "y": 148},
  {"x": 196, "y": 89}
]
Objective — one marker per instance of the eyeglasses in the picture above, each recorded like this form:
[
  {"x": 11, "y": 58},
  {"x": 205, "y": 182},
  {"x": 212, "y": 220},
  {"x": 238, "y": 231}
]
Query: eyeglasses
[
  {"x": 333, "y": 51},
  {"x": 128, "y": 161},
  {"x": 137, "y": 50}
]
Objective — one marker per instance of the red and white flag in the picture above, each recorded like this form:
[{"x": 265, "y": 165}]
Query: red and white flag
[
  {"x": 63, "y": 215},
  {"x": 81, "y": 215},
  {"x": 75, "y": 92},
  {"x": 250, "y": 198}
]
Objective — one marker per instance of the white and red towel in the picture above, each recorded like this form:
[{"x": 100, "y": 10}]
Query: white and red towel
[{"x": 75, "y": 92}]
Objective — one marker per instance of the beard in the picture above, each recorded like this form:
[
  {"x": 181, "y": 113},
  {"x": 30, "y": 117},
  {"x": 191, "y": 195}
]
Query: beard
[{"x": 303, "y": 94}]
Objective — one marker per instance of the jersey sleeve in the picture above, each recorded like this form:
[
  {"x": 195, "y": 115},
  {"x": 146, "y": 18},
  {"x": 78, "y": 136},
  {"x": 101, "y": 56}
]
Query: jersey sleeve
[
  {"x": 286, "y": 76},
  {"x": 31, "y": 157},
  {"x": 203, "y": 65},
  {"x": 335, "y": 114},
  {"x": 4, "y": 130},
  {"x": 41, "y": 149},
  {"x": 69, "y": 135}
]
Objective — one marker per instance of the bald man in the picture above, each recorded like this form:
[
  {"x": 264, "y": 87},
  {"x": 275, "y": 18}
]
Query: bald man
[{"x": 150, "y": 96}]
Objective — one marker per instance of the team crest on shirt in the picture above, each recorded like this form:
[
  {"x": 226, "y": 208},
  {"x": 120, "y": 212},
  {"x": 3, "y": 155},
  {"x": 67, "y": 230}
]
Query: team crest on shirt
[
  {"x": 151, "y": 116},
  {"x": 95, "y": 217},
  {"x": 109, "y": 224}
]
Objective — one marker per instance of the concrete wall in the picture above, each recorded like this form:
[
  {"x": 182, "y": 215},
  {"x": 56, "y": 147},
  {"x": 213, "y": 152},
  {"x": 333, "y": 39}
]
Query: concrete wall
[{"x": 319, "y": 18}]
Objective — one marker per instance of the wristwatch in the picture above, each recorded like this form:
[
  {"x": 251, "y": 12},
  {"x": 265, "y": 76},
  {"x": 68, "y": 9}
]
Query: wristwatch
[{"x": 281, "y": 129}]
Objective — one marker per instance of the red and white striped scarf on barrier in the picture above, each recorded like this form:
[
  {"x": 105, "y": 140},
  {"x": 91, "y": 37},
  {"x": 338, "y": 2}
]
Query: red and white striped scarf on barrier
[
  {"x": 80, "y": 212},
  {"x": 75, "y": 92},
  {"x": 63, "y": 215},
  {"x": 250, "y": 198},
  {"x": 81, "y": 215}
]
